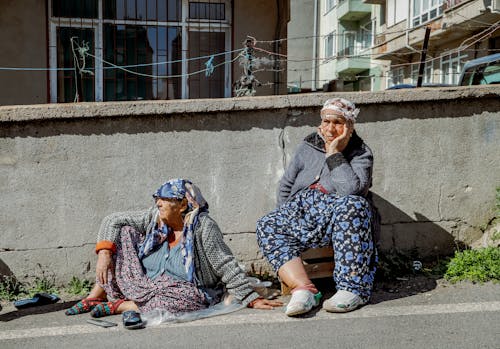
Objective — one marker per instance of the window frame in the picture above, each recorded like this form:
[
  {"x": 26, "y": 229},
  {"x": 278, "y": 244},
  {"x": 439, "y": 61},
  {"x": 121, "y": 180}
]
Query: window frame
[
  {"x": 396, "y": 74},
  {"x": 345, "y": 44},
  {"x": 366, "y": 29},
  {"x": 329, "y": 5},
  {"x": 427, "y": 77},
  {"x": 418, "y": 19},
  {"x": 451, "y": 59},
  {"x": 206, "y": 19},
  {"x": 98, "y": 23},
  {"x": 332, "y": 53}
]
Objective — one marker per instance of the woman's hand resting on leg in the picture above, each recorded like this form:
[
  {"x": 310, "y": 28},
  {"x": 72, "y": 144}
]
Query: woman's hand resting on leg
[{"x": 104, "y": 263}]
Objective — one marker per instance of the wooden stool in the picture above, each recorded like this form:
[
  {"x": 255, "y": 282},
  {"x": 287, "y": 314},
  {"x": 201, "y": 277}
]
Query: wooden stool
[{"x": 318, "y": 263}]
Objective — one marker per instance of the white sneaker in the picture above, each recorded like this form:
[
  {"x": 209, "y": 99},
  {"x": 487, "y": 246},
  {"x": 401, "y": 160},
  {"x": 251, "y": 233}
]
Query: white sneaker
[
  {"x": 302, "y": 301},
  {"x": 342, "y": 302}
]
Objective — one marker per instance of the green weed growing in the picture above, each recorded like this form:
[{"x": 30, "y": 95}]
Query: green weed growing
[
  {"x": 479, "y": 265},
  {"x": 78, "y": 287},
  {"x": 42, "y": 284},
  {"x": 11, "y": 288}
]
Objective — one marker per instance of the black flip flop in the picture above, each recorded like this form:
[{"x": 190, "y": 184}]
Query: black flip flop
[{"x": 37, "y": 300}]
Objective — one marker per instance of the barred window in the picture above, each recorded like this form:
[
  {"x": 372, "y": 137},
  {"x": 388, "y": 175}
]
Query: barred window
[
  {"x": 206, "y": 10},
  {"x": 138, "y": 49}
]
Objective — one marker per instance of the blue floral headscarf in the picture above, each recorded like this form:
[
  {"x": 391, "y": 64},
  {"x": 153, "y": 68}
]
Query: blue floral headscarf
[{"x": 177, "y": 189}]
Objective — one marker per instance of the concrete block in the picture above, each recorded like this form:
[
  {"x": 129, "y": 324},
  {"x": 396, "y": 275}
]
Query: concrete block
[{"x": 58, "y": 265}]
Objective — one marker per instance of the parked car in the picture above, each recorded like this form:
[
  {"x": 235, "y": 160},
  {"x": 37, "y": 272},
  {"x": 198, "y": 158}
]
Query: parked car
[{"x": 481, "y": 71}]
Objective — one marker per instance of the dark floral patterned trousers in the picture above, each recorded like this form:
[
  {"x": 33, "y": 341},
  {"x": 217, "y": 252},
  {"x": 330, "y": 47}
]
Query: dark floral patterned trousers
[{"x": 314, "y": 219}]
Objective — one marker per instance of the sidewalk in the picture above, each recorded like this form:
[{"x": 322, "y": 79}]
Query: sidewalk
[{"x": 412, "y": 296}]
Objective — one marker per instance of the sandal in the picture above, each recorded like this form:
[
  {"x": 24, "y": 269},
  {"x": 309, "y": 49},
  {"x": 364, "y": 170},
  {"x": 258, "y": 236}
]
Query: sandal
[
  {"x": 342, "y": 302},
  {"x": 37, "y": 300},
  {"x": 106, "y": 308},
  {"x": 302, "y": 301},
  {"x": 84, "y": 306},
  {"x": 132, "y": 320}
]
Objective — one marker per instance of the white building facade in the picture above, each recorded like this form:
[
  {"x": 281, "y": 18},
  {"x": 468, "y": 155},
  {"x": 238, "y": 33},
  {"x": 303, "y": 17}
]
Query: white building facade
[{"x": 371, "y": 45}]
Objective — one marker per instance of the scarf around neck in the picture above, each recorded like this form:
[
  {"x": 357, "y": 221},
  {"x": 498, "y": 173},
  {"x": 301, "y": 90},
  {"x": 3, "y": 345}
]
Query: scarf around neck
[{"x": 157, "y": 233}]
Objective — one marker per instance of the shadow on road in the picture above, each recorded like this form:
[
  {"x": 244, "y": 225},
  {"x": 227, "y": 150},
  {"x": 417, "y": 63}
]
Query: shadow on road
[
  {"x": 402, "y": 287},
  {"x": 43, "y": 309}
]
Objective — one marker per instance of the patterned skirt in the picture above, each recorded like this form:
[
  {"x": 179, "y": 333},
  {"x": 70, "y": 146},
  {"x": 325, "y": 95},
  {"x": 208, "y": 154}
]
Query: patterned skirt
[
  {"x": 314, "y": 219},
  {"x": 130, "y": 282}
]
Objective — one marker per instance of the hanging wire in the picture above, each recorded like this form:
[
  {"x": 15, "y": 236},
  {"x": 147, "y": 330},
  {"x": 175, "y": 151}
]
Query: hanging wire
[
  {"x": 493, "y": 27},
  {"x": 162, "y": 76},
  {"x": 80, "y": 52},
  {"x": 34, "y": 69}
]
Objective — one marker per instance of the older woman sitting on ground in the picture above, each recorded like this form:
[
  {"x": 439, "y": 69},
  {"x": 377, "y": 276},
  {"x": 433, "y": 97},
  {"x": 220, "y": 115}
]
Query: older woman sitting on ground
[
  {"x": 322, "y": 201},
  {"x": 171, "y": 257}
]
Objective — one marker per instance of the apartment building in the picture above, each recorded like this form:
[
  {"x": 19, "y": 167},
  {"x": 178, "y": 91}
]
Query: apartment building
[
  {"x": 460, "y": 30},
  {"x": 132, "y": 49},
  {"x": 329, "y": 46},
  {"x": 370, "y": 45}
]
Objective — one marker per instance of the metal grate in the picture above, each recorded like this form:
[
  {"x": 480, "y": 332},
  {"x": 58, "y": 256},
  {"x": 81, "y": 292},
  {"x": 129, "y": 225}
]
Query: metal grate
[{"x": 140, "y": 36}]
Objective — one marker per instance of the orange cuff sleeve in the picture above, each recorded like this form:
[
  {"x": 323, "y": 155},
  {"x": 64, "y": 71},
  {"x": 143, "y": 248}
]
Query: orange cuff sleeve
[{"x": 105, "y": 245}]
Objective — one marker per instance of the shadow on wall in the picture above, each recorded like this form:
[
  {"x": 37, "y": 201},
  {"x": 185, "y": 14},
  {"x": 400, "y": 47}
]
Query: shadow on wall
[
  {"x": 417, "y": 237},
  {"x": 4, "y": 269}
]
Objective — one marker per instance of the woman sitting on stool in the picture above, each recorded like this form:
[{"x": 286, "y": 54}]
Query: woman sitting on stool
[{"x": 322, "y": 202}]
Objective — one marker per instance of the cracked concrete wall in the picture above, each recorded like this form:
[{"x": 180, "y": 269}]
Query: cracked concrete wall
[{"x": 64, "y": 167}]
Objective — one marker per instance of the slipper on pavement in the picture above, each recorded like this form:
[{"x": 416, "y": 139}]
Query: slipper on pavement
[
  {"x": 132, "y": 320},
  {"x": 37, "y": 300}
]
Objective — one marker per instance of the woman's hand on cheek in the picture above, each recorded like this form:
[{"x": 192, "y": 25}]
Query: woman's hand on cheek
[{"x": 340, "y": 143}]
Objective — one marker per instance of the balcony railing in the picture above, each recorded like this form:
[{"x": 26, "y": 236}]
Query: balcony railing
[
  {"x": 350, "y": 51},
  {"x": 374, "y": 2},
  {"x": 347, "y": 51}
]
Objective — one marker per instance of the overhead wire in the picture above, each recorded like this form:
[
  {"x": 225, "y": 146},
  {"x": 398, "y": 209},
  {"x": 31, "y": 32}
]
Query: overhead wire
[
  {"x": 463, "y": 47},
  {"x": 493, "y": 26},
  {"x": 163, "y": 76}
]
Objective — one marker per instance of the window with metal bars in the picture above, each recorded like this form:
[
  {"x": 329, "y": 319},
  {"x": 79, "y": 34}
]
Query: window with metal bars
[
  {"x": 206, "y": 10},
  {"x": 139, "y": 49}
]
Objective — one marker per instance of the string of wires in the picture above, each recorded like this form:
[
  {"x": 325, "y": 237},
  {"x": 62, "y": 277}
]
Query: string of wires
[{"x": 284, "y": 58}]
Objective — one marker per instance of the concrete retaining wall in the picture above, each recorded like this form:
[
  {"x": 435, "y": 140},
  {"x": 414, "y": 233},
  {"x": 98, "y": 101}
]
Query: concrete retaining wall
[{"x": 64, "y": 167}]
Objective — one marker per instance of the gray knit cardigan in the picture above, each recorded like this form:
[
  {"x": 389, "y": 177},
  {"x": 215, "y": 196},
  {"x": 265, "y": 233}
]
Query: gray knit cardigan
[
  {"x": 215, "y": 265},
  {"x": 345, "y": 173}
]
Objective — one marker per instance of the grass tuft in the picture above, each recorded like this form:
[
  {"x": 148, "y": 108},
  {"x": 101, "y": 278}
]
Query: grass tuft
[
  {"x": 78, "y": 287},
  {"x": 11, "y": 288},
  {"x": 479, "y": 265}
]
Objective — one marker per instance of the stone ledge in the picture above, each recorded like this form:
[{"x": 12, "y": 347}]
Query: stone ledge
[{"x": 23, "y": 113}]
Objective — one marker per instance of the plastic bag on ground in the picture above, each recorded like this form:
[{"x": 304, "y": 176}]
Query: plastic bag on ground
[{"x": 228, "y": 305}]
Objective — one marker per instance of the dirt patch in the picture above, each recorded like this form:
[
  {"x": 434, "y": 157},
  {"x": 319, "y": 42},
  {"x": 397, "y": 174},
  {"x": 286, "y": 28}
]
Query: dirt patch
[{"x": 404, "y": 287}]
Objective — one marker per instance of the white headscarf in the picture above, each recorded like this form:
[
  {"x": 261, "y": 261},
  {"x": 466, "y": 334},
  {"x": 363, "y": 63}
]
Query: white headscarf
[{"x": 341, "y": 106}]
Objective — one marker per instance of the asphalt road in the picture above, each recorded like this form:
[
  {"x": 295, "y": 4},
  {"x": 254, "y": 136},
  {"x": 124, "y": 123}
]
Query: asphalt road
[{"x": 463, "y": 316}]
